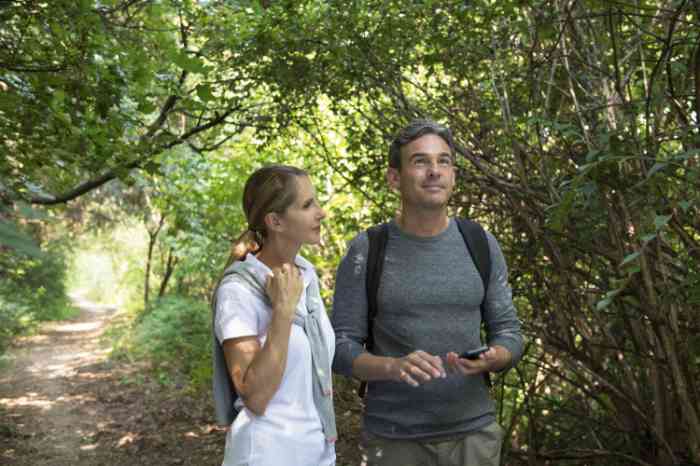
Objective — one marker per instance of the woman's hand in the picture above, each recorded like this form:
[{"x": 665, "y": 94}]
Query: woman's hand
[{"x": 284, "y": 289}]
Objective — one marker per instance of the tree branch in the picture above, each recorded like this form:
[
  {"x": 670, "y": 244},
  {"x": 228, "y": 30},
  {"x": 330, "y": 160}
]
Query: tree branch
[{"x": 113, "y": 173}]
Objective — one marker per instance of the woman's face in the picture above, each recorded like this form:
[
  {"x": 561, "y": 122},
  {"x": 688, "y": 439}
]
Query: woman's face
[{"x": 301, "y": 221}]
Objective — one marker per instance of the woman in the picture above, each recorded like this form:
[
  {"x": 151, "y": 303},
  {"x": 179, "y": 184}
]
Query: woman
[{"x": 273, "y": 337}]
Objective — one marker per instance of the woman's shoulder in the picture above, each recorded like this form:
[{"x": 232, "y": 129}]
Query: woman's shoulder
[
  {"x": 234, "y": 287},
  {"x": 233, "y": 281}
]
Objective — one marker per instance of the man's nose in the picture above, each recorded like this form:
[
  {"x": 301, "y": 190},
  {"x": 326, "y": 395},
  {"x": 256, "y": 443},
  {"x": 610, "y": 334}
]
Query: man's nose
[{"x": 433, "y": 169}]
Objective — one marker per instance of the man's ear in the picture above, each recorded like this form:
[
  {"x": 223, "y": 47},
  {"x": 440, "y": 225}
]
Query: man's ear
[
  {"x": 273, "y": 222},
  {"x": 393, "y": 178}
]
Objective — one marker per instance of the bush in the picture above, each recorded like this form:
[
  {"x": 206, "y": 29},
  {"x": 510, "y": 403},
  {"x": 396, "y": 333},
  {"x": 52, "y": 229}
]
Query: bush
[
  {"x": 32, "y": 289},
  {"x": 175, "y": 335}
]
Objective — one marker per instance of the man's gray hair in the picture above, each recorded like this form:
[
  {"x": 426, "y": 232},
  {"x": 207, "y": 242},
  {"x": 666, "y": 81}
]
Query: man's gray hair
[{"x": 415, "y": 130}]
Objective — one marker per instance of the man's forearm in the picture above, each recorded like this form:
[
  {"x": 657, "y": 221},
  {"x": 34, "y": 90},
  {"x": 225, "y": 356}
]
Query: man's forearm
[
  {"x": 502, "y": 358},
  {"x": 369, "y": 367},
  {"x": 414, "y": 369}
]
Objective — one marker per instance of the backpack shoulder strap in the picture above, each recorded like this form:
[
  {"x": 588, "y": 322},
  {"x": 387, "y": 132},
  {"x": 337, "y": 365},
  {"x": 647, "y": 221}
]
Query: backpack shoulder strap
[
  {"x": 478, "y": 245},
  {"x": 377, "y": 236}
]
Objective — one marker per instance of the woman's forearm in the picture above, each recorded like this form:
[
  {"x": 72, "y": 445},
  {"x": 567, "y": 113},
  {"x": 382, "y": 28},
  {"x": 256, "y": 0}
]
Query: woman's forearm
[{"x": 263, "y": 376}]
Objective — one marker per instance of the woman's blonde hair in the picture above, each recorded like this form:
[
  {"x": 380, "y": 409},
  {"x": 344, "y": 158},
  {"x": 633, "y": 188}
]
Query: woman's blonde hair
[{"x": 272, "y": 188}]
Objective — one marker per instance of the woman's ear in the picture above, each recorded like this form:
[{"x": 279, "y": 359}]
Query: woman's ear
[{"x": 273, "y": 222}]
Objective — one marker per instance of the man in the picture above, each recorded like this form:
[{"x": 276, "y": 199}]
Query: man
[{"x": 424, "y": 404}]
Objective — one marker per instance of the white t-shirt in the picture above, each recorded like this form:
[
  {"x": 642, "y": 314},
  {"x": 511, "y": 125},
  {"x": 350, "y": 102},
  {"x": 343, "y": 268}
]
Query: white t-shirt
[{"x": 289, "y": 433}]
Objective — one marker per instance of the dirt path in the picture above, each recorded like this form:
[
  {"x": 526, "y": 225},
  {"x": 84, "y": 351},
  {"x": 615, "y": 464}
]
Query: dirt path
[{"x": 62, "y": 402}]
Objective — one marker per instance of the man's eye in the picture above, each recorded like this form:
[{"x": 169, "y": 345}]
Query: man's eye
[{"x": 419, "y": 162}]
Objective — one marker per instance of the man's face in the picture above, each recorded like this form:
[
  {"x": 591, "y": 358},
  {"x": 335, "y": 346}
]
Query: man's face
[{"x": 427, "y": 174}]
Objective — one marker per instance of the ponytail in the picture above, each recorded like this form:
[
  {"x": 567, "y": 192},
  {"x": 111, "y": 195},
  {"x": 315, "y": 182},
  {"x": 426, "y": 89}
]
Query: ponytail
[{"x": 248, "y": 242}]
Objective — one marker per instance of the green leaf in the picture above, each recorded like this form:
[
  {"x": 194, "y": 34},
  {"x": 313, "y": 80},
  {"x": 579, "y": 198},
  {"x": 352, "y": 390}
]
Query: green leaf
[
  {"x": 649, "y": 237},
  {"x": 10, "y": 236},
  {"x": 661, "y": 220},
  {"x": 28, "y": 212},
  {"x": 592, "y": 155},
  {"x": 607, "y": 300},
  {"x": 151, "y": 167},
  {"x": 189, "y": 63},
  {"x": 687, "y": 154},
  {"x": 629, "y": 258},
  {"x": 146, "y": 106},
  {"x": 655, "y": 168},
  {"x": 58, "y": 97},
  {"x": 603, "y": 303},
  {"x": 204, "y": 92},
  {"x": 560, "y": 212}
]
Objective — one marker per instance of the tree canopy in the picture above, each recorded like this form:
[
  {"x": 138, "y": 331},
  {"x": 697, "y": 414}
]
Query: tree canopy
[{"x": 576, "y": 124}]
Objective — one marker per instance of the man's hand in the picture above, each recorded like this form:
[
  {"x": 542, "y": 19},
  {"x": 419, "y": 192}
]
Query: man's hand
[
  {"x": 495, "y": 359},
  {"x": 417, "y": 368}
]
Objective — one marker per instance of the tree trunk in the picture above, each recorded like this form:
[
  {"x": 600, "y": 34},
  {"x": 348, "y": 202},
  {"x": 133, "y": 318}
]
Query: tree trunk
[
  {"x": 169, "y": 268},
  {"x": 152, "y": 237}
]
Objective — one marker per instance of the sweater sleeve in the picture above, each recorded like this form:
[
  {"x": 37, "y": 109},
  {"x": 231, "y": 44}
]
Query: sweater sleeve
[
  {"x": 500, "y": 317},
  {"x": 349, "y": 316}
]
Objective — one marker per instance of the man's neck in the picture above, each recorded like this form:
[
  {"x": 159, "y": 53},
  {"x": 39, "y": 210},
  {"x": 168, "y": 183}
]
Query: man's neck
[{"x": 423, "y": 223}]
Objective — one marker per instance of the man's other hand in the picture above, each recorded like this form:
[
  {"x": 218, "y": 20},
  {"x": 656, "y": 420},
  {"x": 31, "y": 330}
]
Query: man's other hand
[
  {"x": 417, "y": 368},
  {"x": 493, "y": 360}
]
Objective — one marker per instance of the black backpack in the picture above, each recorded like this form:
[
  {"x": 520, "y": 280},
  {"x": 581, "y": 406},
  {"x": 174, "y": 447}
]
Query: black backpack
[{"x": 477, "y": 244}]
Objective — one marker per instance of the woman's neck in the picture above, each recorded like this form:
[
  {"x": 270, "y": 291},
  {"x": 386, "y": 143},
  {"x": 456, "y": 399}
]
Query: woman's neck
[{"x": 274, "y": 254}]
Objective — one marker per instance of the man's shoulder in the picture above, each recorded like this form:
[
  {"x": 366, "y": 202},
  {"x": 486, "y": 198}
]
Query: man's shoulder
[
  {"x": 360, "y": 242},
  {"x": 490, "y": 237}
]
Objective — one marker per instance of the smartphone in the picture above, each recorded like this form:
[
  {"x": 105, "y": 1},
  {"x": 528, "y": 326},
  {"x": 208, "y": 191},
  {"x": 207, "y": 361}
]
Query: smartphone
[{"x": 474, "y": 353}]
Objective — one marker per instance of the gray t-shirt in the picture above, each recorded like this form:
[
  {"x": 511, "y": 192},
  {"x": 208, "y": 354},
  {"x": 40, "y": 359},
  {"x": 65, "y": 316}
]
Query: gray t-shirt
[{"x": 429, "y": 299}]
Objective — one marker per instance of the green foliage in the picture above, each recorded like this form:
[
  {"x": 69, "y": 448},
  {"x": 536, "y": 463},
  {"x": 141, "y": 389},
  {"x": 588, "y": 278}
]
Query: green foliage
[
  {"x": 32, "y": 289},
  {"x": 68, "y": 104},
  {"x": 200, "y": 201},
  {"x": 11, "y": 237},
  {"x": 175, "y": 336},
  {"x": 91, "y": 91}
]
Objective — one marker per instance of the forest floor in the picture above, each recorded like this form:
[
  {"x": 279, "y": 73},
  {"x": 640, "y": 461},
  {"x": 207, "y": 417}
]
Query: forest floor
[{"x": 64, "y": 401}]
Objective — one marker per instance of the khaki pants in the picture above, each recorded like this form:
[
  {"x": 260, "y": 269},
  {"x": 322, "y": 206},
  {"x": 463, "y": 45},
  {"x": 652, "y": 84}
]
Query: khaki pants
[{"x": 479, "y": 448}]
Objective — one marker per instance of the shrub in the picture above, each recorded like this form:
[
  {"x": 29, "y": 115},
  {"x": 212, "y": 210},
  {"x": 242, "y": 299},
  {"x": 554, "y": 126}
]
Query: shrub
[
  {"x": 175, "y": 335},
  {"x": 32, "y": 289}
]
